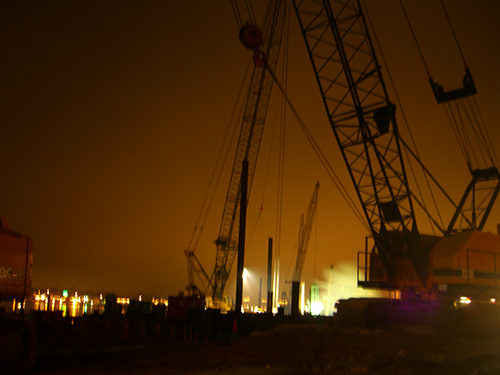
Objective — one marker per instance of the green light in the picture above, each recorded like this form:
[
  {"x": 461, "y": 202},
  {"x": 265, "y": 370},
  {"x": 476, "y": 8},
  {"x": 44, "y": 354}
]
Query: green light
[{"x": 65, "y": 293}]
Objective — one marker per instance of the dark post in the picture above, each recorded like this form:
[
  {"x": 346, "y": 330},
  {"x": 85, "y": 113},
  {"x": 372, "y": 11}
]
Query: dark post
[
  {"x": 241, "y": 243},
  {"x": 295, "y": 298},
  {"x": 269, "y": 276},
  {"x": 260, "y": 294}
]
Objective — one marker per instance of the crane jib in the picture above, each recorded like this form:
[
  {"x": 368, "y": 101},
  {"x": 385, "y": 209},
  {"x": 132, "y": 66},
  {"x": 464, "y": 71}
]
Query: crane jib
[{"x": 363, "y": 120}]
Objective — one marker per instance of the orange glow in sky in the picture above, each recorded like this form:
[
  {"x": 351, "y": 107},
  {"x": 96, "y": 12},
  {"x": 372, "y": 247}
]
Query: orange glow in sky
[{"x": 113, "y": 115}]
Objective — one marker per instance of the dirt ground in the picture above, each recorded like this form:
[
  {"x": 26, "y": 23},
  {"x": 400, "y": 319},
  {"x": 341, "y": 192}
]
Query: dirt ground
[{"x": 293, "y": 349}]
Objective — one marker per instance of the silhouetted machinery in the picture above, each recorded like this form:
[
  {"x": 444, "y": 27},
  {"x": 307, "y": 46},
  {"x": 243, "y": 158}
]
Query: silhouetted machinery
[
  {"x": 18, "y": 339},
  {"x": 461, "y": 259},
  {"x": 303, "y": 243},
  {"x": 265, "y": 42}
]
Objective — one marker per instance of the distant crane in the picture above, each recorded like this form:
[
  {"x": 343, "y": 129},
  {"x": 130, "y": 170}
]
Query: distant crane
[
  {"x": 266, "y": 48},
  {"x": 304, "y": 236}
]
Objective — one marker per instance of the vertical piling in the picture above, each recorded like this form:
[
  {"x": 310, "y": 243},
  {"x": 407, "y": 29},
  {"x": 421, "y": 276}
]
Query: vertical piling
[
  {"x": 270, "y": 276},
  {"x": 241, "y": 243}
]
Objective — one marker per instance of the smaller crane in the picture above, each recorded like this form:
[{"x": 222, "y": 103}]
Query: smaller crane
[{"x": 304, "y": 236}]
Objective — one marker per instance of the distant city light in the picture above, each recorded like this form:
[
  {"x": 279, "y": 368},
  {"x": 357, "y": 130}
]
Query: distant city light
[{"x": 465, "y": 300}]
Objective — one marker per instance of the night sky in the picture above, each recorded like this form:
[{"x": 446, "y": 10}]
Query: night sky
[{"x": 113, "y": 112}]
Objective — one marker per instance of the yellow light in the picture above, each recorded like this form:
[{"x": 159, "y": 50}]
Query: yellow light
[
  {"x": 465, "y": 300},
  {"x": 316, "y": 307}
]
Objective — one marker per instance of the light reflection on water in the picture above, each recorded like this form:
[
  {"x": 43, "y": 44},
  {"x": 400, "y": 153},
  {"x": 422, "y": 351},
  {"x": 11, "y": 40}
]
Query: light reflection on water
[{"x": 68, "y": 308}]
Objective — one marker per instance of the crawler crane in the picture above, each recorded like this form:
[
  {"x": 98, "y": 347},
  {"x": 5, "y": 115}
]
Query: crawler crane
[{"x": 363, "y": 120}]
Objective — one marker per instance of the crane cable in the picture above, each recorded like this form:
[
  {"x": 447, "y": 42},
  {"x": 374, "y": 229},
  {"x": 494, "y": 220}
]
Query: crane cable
[
  {"x": 225, "y": 144},
  {"x": 321, "y": 156},
  {"x": 285, "y": 49},
  {"x": 458, "y": 122},
  {"x": 481, "y": 132},
  {"x": 405, "y": 120},
  {"x": 452, "y": 31},
  {"x": 281, "y": 173},
  {"x": 414, "y": 37},
  {"x": 219, "y": 165},
  {"x": 484, "y": 133},
  {"x": 416, "y": 41},
  {"x": 250, "y": 15}
]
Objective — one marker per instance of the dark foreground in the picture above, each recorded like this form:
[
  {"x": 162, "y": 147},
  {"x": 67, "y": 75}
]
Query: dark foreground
[{"x": 307, "y": 347}]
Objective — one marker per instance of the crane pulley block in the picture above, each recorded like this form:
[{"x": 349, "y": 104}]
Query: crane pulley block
[
  {"x": 468, "y": 89},
  {"x": 251, "y": 37},
  {"x": 383, "y": 117}
]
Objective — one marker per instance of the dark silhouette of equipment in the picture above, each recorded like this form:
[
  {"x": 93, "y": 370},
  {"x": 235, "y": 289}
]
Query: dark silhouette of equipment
[
  {"x": 303, "y": 243},
  {"x": 266, "y": 44},
  {"x": 363, "y": 120}
]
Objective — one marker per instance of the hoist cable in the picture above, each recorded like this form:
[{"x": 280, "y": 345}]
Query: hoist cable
[
  {"x": 480, "y": 121},
  {"x": 405, "y": 120},
  {"x": 414, "y": 37},
  {"x": 450, "y": 116},
  {"x": 250, "y": 15},
  {"x": 483, "y": 138},
  {"x": 463, "y": 138},
  {"x": 281, "y": 174},
  {"x": 422, "y": 201},
  {"x": 250, "y": 12},
  {"x": 482, "y": 133},
  {"x": 466, "y": 139},
  {"x": 428, "y": 174},
  {"x": 237, "y": 15},
  {"x": 221, "y": 168},
  {"x": 453, "y": 31},
  {"x": 478, "y": 136},
  {"x": 462, "y": 134},
  {"x": 285, "y": 50},
  {"x": 281, "y": 159},
  {"x": 279, "y": 202},
  {"x": 330, "y": 171},
  {"x": 206, "y": 205}
]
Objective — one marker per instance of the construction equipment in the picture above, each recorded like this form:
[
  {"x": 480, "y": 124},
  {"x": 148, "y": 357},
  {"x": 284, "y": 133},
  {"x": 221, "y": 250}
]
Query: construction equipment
[
  {"x": 18, "y": 339},
  {"x": 363, "y": 120},
  {"x": 266, "y": 49},
  {"x": 303, "y": 244}
]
